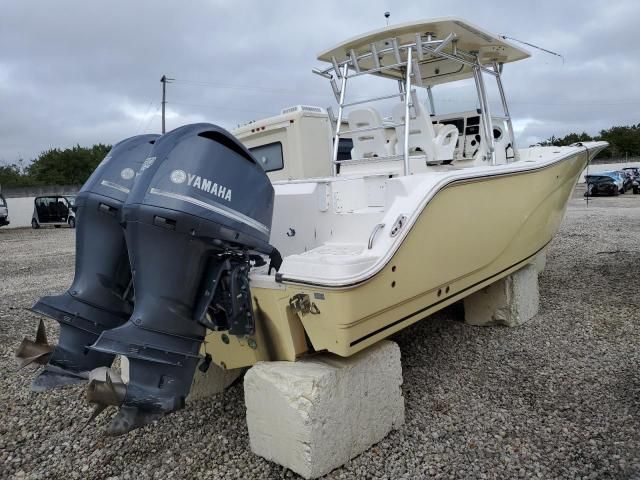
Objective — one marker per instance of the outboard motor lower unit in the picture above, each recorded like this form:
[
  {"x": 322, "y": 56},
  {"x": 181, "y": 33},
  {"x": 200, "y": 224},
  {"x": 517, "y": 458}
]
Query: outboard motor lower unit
[
  {"x": 101, "y": 293},
  {"x": 197, "y": 219}
]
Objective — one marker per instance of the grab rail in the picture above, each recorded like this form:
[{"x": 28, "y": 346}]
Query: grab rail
[{"x": 376, "y": 229}]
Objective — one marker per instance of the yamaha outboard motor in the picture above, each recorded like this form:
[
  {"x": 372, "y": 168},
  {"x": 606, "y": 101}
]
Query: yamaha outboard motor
[
  {"x": 196, "y": 220},
  {"x": 101, "y": 294}
]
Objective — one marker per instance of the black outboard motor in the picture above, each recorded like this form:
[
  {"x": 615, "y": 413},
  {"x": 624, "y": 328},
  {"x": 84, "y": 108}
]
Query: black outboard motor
[
  {"x": 100, "y": 296},
  {"x": 196, "y": 220}
]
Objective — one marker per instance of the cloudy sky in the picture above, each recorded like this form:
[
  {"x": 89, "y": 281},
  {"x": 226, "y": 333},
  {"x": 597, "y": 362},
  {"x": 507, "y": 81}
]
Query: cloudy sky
[{"x": 88, "y": 72}]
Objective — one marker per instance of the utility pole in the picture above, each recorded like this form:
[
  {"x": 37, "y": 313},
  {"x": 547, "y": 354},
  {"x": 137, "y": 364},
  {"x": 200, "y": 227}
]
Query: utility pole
[{"x": 164, "y": 80}]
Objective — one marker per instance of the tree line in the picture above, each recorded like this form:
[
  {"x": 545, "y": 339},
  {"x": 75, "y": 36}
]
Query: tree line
[
  {"x": 69, "y": 166},
  {"x": 623, "y": 141},
  {"x": 72, "y": 166}
]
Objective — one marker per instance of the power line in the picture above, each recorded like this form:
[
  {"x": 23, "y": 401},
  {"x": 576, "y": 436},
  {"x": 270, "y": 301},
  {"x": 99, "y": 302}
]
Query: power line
[
  {"x": 249, "y": 87},
  {"x": 569, "y": 104},
  {"x": 144, "y": 117},
  {"x": 224, "y": 108},
  {"x": 302, "y": 93},
  {"x": 151, "y": 119},
  {"x": 551, "y": 104}
]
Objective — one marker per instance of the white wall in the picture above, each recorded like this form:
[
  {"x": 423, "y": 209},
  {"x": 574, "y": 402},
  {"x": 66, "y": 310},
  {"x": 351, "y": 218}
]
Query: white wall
[
  {"x": 20, "y": 211},
  {"x": 606, "y": 167}
]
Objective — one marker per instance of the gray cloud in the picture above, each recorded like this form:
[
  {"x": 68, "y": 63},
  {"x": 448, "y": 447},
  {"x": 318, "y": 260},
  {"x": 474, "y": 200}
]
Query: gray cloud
[{"x": 87, "y": 72}]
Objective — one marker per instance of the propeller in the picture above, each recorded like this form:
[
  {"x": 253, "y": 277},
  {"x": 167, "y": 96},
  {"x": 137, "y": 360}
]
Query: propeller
[
  {"x": 103, "y": 394},
  {"x": 37, "y": 351},
  {"x": 106, "y": 393}
]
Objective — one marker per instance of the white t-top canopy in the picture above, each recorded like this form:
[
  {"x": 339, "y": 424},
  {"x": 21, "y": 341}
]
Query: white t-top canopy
[{"x": 469, "y": 41}]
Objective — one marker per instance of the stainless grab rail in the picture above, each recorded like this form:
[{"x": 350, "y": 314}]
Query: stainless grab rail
[{"x": 376, "y": 229}]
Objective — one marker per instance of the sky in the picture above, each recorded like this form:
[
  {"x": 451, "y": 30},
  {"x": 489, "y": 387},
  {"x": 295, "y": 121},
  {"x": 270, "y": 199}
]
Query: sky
[{"x": 85, "y": 72}]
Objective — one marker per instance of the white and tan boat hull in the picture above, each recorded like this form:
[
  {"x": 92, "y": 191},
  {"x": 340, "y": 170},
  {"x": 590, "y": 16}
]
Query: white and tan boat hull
[{"x": 470, "y": 234}]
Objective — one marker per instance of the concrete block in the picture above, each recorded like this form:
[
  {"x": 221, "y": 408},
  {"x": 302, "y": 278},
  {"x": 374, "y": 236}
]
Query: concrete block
[
  {"x": 316, "y": 414},
  {"x": 511, "y": 301},
  {"x": 540, "y": 261},
  {"x": 212, "y": 382}
]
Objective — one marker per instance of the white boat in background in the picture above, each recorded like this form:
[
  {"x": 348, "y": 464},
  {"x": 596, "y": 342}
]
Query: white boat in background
[{"x": 381, "y": 225}]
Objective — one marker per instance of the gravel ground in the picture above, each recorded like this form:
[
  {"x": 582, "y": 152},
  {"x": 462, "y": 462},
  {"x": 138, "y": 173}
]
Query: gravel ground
[{"x": 556, "y": 398}]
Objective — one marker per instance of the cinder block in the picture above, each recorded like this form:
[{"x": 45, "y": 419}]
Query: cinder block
[
  {"x": 316, "y": 414},
  {"x": 511, "y": 301},
  {"x": 540, "y": 261}
]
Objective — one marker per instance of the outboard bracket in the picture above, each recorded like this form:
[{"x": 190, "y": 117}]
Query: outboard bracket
[{"x": 225, "y": 299}]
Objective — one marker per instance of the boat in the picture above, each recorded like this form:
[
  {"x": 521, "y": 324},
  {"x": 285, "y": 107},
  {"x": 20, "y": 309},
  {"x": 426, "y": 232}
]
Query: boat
[
  {"x": 368, "y": 221},
  {"x": 417, "y": 218}
]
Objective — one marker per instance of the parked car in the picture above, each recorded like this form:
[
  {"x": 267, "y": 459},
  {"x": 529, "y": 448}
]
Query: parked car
[
  {"x": 603, "y": 183},
  {"x": 635, "y": 171},
  {"x": 4, "y": 212},
  {"x": 617, "y": 176},
  {"x": 622, "y": 182},
  {"x": 56, "y": 210},
  {"x": 627, "y": 179},
  {"x": 635, "y": 178}
]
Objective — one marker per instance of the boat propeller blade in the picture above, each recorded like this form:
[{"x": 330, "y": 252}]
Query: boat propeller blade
[
  {"x": 106, "y": 393},
  {"x": 97, "y": 410},
  {"x": 41, "y": 334},
  {"x": 37, "y": 351},
  {"x": 40, "y": 359}
]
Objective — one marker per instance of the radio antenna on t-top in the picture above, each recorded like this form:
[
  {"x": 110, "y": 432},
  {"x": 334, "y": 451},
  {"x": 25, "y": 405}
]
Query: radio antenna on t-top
[
  {"x": 506, "y": 37},
  {"x": 387, "y": 15}
]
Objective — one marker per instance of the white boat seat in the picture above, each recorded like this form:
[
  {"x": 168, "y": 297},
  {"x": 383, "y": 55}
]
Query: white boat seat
[
  {"x": 372, "y": 143},
  {"x": 329, "y": 260},
  {"x": 437, "y": 142},
  {"x": 446, "y": 141}
]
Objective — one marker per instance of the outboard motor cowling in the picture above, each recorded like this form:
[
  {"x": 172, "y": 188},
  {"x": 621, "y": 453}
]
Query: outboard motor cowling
[
  {"x": 100, "y": 296},
  {"x": 197, "y": 219}
]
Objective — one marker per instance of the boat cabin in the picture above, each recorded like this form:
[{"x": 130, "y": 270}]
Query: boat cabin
[
  {"x": 293, "y": 145},
  {"x": 311, "y": 142}
]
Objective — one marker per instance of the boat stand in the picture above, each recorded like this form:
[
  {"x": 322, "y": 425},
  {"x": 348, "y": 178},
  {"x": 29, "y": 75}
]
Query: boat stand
[
  {"x": 511, "y": 301},
  {"x": 316, "y": 414}
]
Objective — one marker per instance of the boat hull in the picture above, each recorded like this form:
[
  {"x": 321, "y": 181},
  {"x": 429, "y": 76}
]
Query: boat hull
[{"x": 471, "y": 234}]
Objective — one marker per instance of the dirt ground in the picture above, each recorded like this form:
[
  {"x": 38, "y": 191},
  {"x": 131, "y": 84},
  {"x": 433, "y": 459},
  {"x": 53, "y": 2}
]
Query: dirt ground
[{"x": 556, "y": 398}]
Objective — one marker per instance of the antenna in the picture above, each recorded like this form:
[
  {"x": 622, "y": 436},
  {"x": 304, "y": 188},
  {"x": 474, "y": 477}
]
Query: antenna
[
  {"x": 387, "y": 15},
  {"x": 533, "y": 46}
]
